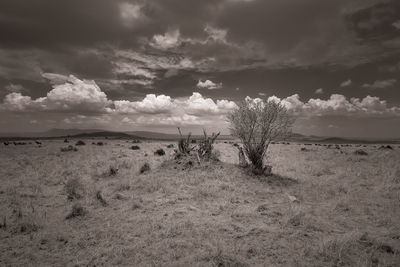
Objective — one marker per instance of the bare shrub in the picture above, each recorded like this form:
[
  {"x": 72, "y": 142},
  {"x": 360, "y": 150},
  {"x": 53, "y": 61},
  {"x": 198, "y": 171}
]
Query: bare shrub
[
  {"x": 74, "y": 188},
  {"x": 257, "y": 124}
]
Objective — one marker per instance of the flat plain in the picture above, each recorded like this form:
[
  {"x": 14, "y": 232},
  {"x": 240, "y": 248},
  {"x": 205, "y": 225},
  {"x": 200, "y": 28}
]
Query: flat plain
[{"x": 92, "y": 207}]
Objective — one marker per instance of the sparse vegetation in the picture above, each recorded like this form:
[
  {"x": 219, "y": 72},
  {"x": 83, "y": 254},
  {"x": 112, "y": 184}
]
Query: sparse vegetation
[
  {"x": 309, "y": 212},
  {"x": 159, "y": 152},
  {"x": 77, "y": 211},
  {"x": 69, "y": 148},
  {"x": 80, "y": 143},
  {"x": 145, "y": 168}
]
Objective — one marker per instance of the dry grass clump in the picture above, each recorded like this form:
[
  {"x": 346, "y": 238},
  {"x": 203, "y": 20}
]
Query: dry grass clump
[
  {"x": 80, "y": 143},
  {"x": 360, "y": 152},
  {"x": 112, "y": 171},
  {"x": 145, "y": 168},
  {"x": 69, "y": 148},
  {"x": 159, "y": 152},
  {"x": 101, "y": 199},
  {"x": 74, "y": 189},
  {"x": 77, "y": 211}
]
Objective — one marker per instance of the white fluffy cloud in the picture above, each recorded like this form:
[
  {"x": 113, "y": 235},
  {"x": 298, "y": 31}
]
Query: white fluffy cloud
[
  {"x": 74, "y": 95},
  {"x": 151, "y": 104},
  {"x": 170, "y": 39},
  {"x": 380, "y": 84},
  {"x": 338, "y": 105},
  {"x": 208, "y": 84}
]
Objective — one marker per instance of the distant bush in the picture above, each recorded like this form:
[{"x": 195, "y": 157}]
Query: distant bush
[
  {"x": 112, "y": 171},
  {"x": 135, "y": 147},
  {"x": 80, "y": 143},
  {"x": 145, "y": 168},
  {"x": 77, "y": 210},
  {"x": 68, "y": 148},
  {"x": 66, "y": 141},
  {"x": 360, "y": 152},
  {"x": 159, "y": 152},
  {"x": 100, "y": 143},
  {"x": 194, "y": 141},
  {"x": 170, "y": 146},
  {"x": 136, "y": 141},
  {"x": 74, "y": 188}
]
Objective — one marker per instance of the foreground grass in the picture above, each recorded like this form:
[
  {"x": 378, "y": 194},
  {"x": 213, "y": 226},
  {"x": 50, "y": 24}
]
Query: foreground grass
[{"x": 323, "y": 207}]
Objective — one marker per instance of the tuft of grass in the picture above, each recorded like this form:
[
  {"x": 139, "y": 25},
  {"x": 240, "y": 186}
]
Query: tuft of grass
[
  {"x": 74, "y": 189},
  {"x": 145, "y": 168},
  {"x": 112, "y": 171},
  {"x": 77, "y": 211}
]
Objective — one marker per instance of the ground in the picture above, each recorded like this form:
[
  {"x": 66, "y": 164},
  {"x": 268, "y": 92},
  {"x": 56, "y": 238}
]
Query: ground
[{"x": 322, "y": 207}]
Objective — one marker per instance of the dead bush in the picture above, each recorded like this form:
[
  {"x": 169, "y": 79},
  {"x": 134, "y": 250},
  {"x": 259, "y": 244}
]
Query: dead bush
[
  {"x": 205, "y": 147},
  {"x": 184, "y": 143}
]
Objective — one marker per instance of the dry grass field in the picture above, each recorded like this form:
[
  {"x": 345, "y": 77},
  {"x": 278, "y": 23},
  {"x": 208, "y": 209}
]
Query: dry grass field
[{"x": 92, "y": 207}]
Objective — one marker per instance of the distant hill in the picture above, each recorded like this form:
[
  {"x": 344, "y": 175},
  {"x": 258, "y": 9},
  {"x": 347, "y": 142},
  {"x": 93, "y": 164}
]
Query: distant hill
[{"x": 93, "y": 133}]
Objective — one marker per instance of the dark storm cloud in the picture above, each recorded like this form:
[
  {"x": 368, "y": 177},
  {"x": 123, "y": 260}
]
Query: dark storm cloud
[{"x": 376, "y": 22}]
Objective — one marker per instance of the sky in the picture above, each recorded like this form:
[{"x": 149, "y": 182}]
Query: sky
[{"x": 154, "y": 65}]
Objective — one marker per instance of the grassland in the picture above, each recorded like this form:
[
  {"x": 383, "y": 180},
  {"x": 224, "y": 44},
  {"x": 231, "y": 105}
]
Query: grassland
[{"x": 322, "y": 207}]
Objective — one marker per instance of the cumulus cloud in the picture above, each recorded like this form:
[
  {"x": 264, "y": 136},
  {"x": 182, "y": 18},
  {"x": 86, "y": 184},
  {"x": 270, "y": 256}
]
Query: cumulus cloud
[
  {"x": 170, "y": 39},
  {"x": 338, "y": 105},
  {"x": 346, "y": 83},
  {"x": 72, "y": 96},
  {"x": 208, "y": 84},
  {"x": 380, "y": 84},
  {"x": 151, "y": 104},
  {"x": 319, "y": 91}
]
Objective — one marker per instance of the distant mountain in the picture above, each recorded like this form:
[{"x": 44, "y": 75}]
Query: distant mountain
[{"x": 164, "y": 136}]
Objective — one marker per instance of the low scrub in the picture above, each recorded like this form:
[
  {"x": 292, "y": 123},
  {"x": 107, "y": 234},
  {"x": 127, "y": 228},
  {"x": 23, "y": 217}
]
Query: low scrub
[
  {"x": 145, "y": 168},
  {"x": 135, "y": 147},
  {"x": 159, "y": 152},
  {"x": 80, "y": 143}
]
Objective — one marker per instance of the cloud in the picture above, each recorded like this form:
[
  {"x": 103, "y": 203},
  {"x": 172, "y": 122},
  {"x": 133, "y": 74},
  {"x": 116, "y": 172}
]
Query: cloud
[
  {"x": 151, "y": 104},
  {"x": 16, "y": 88},
  {"x": 380, "y": 84},
  {"x": 338, "y": 105},
  {"x": 215, "y": 34},
  {"x": 129, "y": 13},
  {"x": 72, "y": 96},
  {"x": 346, "y": 83},
  {"x": 319, "y": 91},
  {"x": 170, "y": 39},
  {"x": 396, "y": 24},
  {"x": 208, "y": 84},
  {"x": 132, "y": 70}
]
